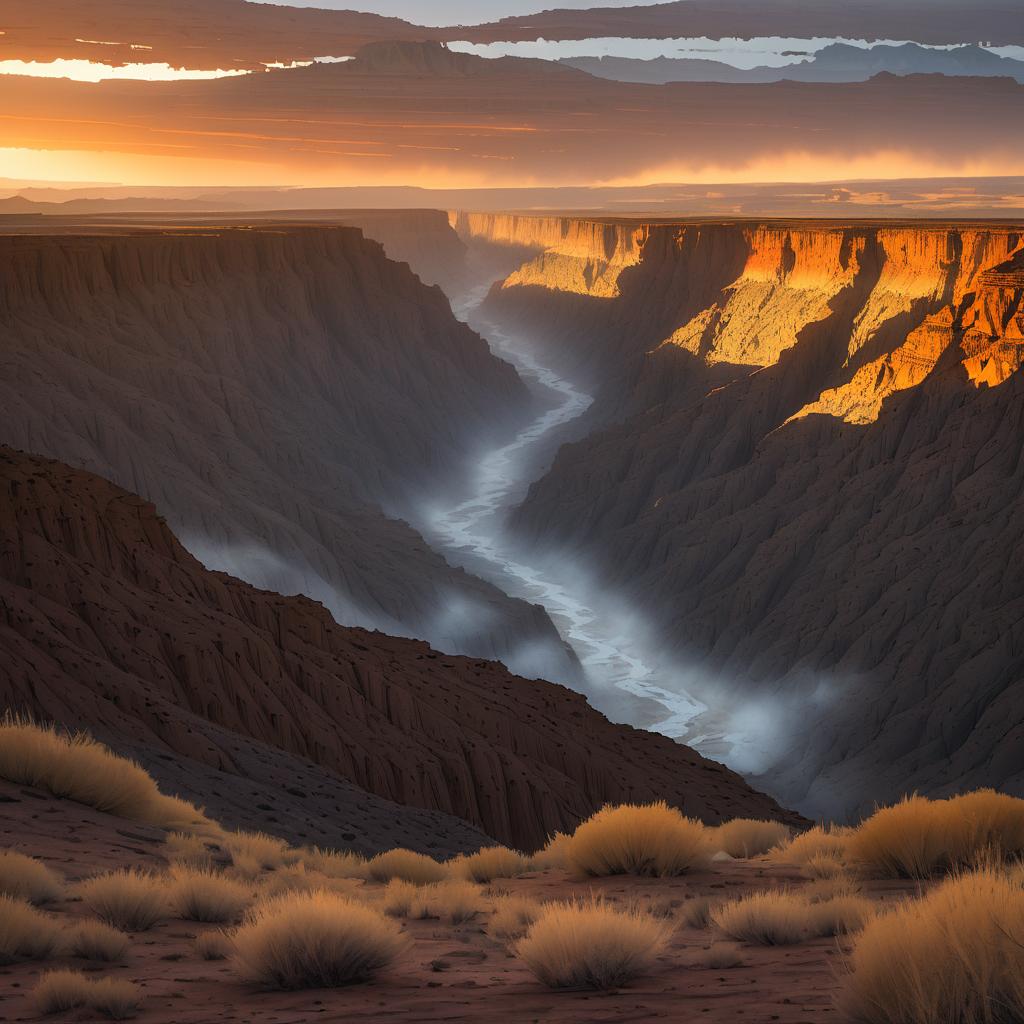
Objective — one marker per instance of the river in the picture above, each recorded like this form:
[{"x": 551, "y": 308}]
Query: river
[{"x": 609, "y": 645}]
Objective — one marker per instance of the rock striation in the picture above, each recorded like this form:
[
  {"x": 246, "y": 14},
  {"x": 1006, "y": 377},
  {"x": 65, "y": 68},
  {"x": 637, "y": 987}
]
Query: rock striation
[
  {"x": 108, "y": 623},
  {"x": 806, "y": 473},
  {"x": 284, "y": 393}
]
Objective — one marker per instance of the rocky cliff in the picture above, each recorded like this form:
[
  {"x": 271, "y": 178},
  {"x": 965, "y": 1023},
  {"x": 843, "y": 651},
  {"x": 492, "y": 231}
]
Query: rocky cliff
[
  {"x": 107, "y": 622},
  {"x": 807, "y": 477},
  {"x": 277, "y": 391}
]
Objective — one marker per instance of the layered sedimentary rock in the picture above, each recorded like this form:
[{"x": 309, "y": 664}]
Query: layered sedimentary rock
[
  {"x": 107, "y": 622},
  {"x": 276, "y": 391},
  {"x": 810, "y": 486}
]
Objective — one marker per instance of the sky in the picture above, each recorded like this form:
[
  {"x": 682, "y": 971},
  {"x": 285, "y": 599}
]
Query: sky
[{"x": 459, "y": 12}]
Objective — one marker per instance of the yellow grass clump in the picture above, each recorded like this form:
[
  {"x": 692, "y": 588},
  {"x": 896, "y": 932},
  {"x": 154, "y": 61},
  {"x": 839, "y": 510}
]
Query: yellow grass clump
[
  {"x": 335, "y": 863},
  {"x": 747, "y": 837},
  {"x": 188, "y": 849},
  {"x": 591, "y": 945},
  {"x": 407, "y": 866},
  {"x": 490, "y": 863},
  {"x": 512, "y": 917},
  {"x": 25, "y": 933},
  {"x": 94, "y": 940},
  {"x": 824, "y": 867},
  {"x": 77, "y": 767},
  {"x": 698, "y": 912},
  {"x": 452, "y": 901},
  {"x": 196, "y": 894},
  {"x": 213, "y": 945},
  {"x": 60, "y": 991},
  {"x": 257, "y": 848},
  {"x": 398, "y": 898},
  {"x": 652, "y": 839},
  {"x": 839, "y": 915},
  {"x": 314, "y": 940},
  {"x": 765, "y": 919},
  {"x": 128, "y": 899},
  {"x": 28, "y": 879},
  {"x": 816, "y": 843},
  {"x": 552, "y": 857},
  {"x": 955, "y": 955}
]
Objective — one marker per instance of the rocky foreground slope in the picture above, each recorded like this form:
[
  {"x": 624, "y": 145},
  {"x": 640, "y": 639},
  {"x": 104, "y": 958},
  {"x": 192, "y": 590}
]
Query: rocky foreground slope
[
  {"x": 283, "y": 393},
  {"x": 108, "y": 623},
  {"x": 807, "y": 471}
]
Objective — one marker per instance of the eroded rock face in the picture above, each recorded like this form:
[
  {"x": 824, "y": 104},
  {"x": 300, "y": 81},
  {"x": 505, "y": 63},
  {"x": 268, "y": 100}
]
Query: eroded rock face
[
  {"x": 284, "y": 394},
  {"x": 108, "y": 623},
  {"x": 806, "y": 474}
]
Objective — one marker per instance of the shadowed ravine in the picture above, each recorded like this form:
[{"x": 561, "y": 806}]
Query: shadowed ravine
[{"x": 608, "y": 643}]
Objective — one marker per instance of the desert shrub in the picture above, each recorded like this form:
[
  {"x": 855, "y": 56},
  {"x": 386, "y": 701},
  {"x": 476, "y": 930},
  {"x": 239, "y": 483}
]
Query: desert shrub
[
  {"x": 94, "y": 940},
  {"x": 189, "y": 850},
  {"x": 490, "y": 863},
  {"x": 201, "y": 895},
  {"x": 719, "y": 956},
  {"x": 817, "y": 842},
  {"x": 213, "y": 946},
  {"x": 314, "y": 940},
  {"x": 398, "y": 898},
  {"x": 512, "y": 917},
  {"x": 28, "y": 879},
  {"x": 79, "y": 768},
  {"x": 25, "y": 933},
  {"x": 60, "y": 991},
  {"x": 451, "y": 901},
  {"x": 652, "y": 839},
  {"x": 334, "y": 863},
  {"x": 765, "y": 919},
  {"x": 823, "y": 866},
  {"x": 839, "y": 915},
  {"x": 128, "y": 899},
  {"x": 920, "y": 838},
  {"x": 590, "y": 945},
  {"x": 746, "y": 837},
  {"x": 955, "y": 955},
  {"x": 553, "y": 854},
  {"x": 406, "y": 865},
  {"x": 268, "y": 852},
  {"x": 698, "y": 912}
]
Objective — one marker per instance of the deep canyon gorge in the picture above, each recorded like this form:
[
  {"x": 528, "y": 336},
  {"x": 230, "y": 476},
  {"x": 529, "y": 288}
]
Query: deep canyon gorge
[{"x": 752, "y": 484}]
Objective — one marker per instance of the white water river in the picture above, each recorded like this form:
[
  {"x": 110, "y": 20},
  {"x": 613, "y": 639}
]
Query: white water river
[{"x": 610, "y": 645}]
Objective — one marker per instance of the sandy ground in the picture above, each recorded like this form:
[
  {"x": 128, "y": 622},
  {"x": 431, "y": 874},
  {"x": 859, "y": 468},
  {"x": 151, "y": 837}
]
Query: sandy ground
[{"x": 449, "y": 973}]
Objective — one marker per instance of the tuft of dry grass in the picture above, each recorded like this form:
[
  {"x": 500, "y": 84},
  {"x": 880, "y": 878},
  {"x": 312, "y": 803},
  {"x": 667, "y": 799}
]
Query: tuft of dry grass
[
  {"x": 213, "y": 946},
  {"x": 453, "y": 901},
  {"x": 128, "y": 899},
  {"x": 552, "y": 857},
  {"x": 490, "y": 863},
  {"x": 77, "y": 767},
  {"x": 60, "y": 991},
  {"x": 28, "y": 879},
  {"x": 406, "y": 865},
  {"x": 590, "y": 945},
  {"x": 335, "y": 863},
  {"x": 398, "y": 898},
  {"x": 94, "y": 940},
  {"x": 747, "y": 837},
  {"x": 765, "y": 919},
  {"x": 824, "y": 867},
  {"x": 256, "y": 848},
  {"x": 196, "y": 894},
  {"x": 719, "y": 956},
  {"x": 955, "y": 955},
  {"x": 512, "y": 917},
  {"x": 25, "y": 933},
  {"x": 188, "y": 850},
  {"x": 699, "y": 912},
  {"x": 314, "y": 940},
  {"x": 920, "y": 838},
  {"x": 651, "y": 839},
  {"x": 840, "y": 915},
  {"x": 817, "y": 842}
]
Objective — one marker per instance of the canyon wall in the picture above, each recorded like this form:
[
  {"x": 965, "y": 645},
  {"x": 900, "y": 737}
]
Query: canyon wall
[
  {"x": 107, "y": 623},
  {"x": 285, "y": 395},
  {"x": 807, "y": 474}
]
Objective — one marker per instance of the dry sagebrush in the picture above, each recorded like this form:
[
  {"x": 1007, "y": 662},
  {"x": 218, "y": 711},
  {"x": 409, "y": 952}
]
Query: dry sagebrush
[
  {"x": 94, "y": 940},
  {"x": 747, "y": 837},
  {"x": 407, "y": 866},
  {"x": 28, "y": 879},
  {"x": 203, "y": 895},
  {"x": 652, "y": 839},
  {"x": 490, "y": 863},
  {"x": 128, "y": 899},
  {"x": 60, "y": 991},
  {"x": 781, "y": 918},
  {"x": 314, "y": 940},
  {"x": 25, "y": 933},
  {"x": 591, "y": 945},
  {"x": 512, "y": 917},
  {"x": 79, "y": 768}
]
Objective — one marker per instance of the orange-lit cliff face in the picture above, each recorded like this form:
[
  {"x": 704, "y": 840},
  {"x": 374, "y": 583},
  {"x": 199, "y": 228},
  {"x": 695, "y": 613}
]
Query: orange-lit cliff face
[{"x": 806, "y": 472}]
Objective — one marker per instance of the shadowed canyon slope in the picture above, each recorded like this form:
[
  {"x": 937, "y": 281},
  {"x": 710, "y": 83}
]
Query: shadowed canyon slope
[
  {"x": 110, "y": 624},
  {"x": 407, "y": 111},
  {"x": 276, "y": 392},
  {"x": 808, "y": 474}
]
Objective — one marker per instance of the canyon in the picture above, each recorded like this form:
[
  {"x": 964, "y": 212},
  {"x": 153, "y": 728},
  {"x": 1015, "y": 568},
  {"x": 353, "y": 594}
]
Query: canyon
[{"x": 802, "y": 468}]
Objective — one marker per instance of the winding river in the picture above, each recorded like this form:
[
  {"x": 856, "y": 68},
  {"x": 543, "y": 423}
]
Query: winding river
[{"x": 609, "y": 645}]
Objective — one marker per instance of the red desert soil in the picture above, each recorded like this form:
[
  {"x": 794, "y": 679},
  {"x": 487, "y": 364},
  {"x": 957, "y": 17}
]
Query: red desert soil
[{"x": 449, "y": 972}]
